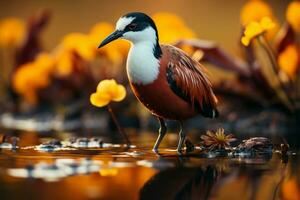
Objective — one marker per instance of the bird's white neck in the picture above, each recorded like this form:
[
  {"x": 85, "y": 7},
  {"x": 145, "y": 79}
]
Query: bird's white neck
[{"x": 142, "y": 65}]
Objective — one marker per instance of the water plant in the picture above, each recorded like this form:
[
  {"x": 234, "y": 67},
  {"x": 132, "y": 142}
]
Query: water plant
[
  {"x": 217, "y": 140},
  {"x": 107, "y": 91}
]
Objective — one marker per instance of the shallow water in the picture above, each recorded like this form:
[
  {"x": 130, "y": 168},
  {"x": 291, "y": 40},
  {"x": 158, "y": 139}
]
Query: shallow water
[{"x": 115, "y": 172}]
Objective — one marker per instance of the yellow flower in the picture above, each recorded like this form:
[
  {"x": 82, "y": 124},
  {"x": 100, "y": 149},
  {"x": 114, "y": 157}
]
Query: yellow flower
[
  {"x": 171, "y": 28},
  {"x": 44, "y": 63},
  {"x": 64, "y": 63},
  {"x": 12, "y": 32},
  {"x": 164, "y": 19},
  {"x": 293, "y": 15},
  {"x": 288, "y": 60},
  {"x": 33, "y": 76},
  {"x": 116, "y": 50},
  {"x": 100, "y": 31},
  {"x": 81, "y": 44},
  {"x": 253, "y": 29},
  {"x": 108, "y": 90},
  {"x": 255, "y": 10}
]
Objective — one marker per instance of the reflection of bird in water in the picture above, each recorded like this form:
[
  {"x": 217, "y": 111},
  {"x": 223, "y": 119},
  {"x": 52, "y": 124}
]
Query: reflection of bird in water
[
  {"x": 166, "y": 80},
  {"x": 189, "y": 183}
]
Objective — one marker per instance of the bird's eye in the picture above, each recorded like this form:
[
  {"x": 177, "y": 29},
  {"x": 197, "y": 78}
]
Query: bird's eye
[{"x": 132, "y": 26}]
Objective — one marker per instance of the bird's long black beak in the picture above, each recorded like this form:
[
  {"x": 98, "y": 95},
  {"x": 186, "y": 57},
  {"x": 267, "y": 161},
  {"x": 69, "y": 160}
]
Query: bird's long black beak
[{"x": 115, "y": 35}]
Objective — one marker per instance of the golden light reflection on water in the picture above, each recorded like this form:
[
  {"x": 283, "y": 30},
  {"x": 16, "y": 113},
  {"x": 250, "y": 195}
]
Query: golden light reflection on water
[{"x": 140, "y": 174}]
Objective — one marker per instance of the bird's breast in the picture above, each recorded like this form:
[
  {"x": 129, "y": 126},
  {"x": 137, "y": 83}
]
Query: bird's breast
[
  {"x": 159, "y": 98},
  {"x": 142, "y": 66}
]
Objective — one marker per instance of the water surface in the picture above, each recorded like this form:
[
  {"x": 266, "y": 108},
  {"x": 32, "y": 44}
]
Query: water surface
[{"x": 115, "y": 172}]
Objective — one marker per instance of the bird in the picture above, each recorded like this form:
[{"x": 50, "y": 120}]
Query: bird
[{"x": 167, "y": 81}]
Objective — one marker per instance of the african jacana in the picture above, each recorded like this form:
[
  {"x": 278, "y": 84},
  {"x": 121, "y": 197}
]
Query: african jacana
[{"x": 164, "y": 78}]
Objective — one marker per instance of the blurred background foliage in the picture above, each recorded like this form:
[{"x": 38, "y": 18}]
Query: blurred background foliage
[
  {"x": 208, "y": 19},
  {"x": 50, "y": 62}
]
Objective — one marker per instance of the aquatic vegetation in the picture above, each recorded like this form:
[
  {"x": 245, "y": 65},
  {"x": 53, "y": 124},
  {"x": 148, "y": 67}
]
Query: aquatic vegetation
[
  {"x": 70, "y": 87},
  {"x": 255, "y": 145},
  {"x": 268, "y": 71},
  {"x": 217, "y": 140},
  {"x": 107, "y": 91}
]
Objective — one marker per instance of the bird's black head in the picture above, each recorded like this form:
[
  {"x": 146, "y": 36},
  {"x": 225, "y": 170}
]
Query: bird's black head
[
  {"x": 136, "y": 21},
  {"x": 135, "y": 27}
]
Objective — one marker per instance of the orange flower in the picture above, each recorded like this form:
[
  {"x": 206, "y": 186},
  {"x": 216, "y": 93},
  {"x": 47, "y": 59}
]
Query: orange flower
[
  {"x": 255, "y": 10},
  {"x": 64, "y": 63},
  {"x": 293, "y": 15},
  {"x": 116, "y": 50},
  {"x": 171, "y": 28},
  {"x": 291, "y": 189},
  {"x": 217, "y": 140},
  {"x": 12, "y": 32},
  {"x": 81, "y": 44},
  {"x": 108, "y": 90},
  {"x": 288, "y": 60},
  {"x": 33, "y": 76},
  {"x": 253, "y": 29}
]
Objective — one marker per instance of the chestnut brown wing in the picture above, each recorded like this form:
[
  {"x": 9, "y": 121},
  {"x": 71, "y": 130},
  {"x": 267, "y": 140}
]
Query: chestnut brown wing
[{"x": 188, "y": 79}]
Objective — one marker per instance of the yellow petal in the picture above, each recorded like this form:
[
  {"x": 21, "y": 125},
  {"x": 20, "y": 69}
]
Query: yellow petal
[
  {"x": 245, "y": 41},
  {"x": 64, "y": 63},
  {"x": 254, "y": 11},
  {"x": 99, "y": 100},
  {"x": 119, "y": 93},
  {"x": 100, "y": 31},
  {"x": 293, "y": 15},
  {"x": 81, "y": 44},
  {"x": 288, "y": 61},
  {"x": 171, "y": 27},
  {"x": 106, "y": 85},
  {"x": 253, "y": 29},
  {"x": 116, "y": 50},
  {"x": 12, "y": 32},
  {"x": 168, "y": 19},
  {"x": 267, "y": 24},
  {"x": 108, "y": 90}
]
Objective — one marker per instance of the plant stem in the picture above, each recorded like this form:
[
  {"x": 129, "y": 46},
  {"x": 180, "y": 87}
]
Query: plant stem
[
  {"x": 120, "y": 129},
  {"x": 280, "y": 91}
]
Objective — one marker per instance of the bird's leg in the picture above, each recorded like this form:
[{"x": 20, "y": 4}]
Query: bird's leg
[
  {"x": 162, "y": 132},
  {"x": 181, "y": 138}
]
